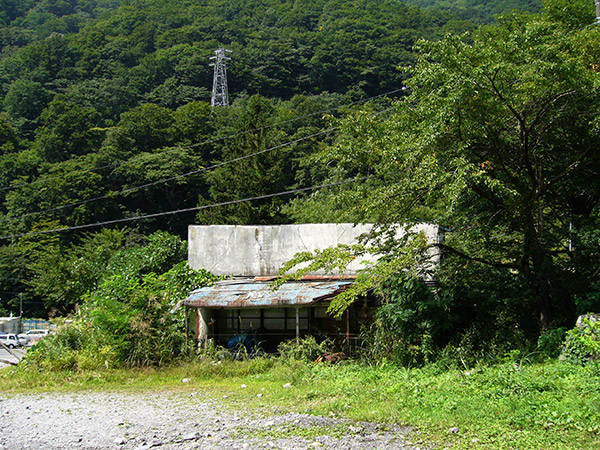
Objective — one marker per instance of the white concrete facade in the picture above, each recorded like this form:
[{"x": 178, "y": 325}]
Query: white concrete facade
[{"x": 249, "y": 251}]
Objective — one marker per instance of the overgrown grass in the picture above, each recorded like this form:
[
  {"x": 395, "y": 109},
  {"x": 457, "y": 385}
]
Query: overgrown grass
[{"x": 506, "y": 406}]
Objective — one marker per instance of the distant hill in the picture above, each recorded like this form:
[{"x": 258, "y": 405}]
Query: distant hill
[
  {"x": 281, "y": 48},
  {"x": 480, "y": 11},
  {"x": 158, "y": 50}
]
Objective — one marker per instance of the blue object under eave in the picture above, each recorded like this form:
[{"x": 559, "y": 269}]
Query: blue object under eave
[{"x": 255, "y": 294}]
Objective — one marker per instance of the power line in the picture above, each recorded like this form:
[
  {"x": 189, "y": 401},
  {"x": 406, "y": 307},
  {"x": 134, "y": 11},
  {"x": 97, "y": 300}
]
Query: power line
[
  {"x": 175, "y": 177},
  {"x": 166, "y": 150},
  {"x": 179, "y": 211}
]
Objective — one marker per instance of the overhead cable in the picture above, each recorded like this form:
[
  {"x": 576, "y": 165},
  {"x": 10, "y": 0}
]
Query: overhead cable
[
  {"x": 179, "y": 211},
  {"x": 197, "y": 144},
  {"x": 175, "y": 177}
]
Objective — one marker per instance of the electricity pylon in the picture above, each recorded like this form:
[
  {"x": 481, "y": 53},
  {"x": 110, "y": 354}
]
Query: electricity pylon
[{"x": 220, "y": 94}]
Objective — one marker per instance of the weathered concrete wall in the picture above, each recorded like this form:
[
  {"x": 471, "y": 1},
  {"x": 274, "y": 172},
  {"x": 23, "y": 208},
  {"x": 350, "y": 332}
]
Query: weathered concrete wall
[{"x": 247, "y": 250}]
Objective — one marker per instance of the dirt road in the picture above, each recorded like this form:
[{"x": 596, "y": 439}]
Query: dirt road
[{"x": 175, "y": 421}]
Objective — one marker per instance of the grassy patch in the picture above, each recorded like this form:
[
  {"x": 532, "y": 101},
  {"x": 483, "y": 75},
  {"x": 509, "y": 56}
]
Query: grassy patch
[{"x": 507, "y": 406}]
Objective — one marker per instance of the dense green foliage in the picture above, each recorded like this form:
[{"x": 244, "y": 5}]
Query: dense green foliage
[
  {"x": 104, "y": 111},
  {"x": 479, "y": 11},
  {"x": 497, "y": 144},
  {"x": 582, "y": 344},
  {"x": 126, "y": 315}
]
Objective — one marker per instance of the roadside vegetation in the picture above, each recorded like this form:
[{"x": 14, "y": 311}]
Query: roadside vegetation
[{"x": 127, "y": 287}]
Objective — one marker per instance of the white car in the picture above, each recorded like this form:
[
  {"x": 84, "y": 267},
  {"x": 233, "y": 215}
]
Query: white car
[
  {"x": 12, "y": 340},
  {"x": 33, "y": 335}
]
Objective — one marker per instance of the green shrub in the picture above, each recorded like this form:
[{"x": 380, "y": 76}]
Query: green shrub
[
  {"x": 126, "y": 319},
  {"x": 59, "y": 351},
  {"x": 305, "y": 349},
  {"x": 550, "y": 342},
  {"x": 402, "y": 330},
  {"x": 582, "y": 343},
  {"x": 210, "y": 351}
]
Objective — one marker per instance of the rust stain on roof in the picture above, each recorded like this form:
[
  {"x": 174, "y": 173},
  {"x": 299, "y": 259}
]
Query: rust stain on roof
[{"x": 258, "y": 294}]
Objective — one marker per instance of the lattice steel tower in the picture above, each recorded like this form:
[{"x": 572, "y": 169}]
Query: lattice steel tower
[{"x": 220, "y": 94}]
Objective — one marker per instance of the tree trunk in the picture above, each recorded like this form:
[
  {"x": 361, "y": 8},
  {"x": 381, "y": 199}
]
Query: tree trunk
[{"x": 535, "y": 265}]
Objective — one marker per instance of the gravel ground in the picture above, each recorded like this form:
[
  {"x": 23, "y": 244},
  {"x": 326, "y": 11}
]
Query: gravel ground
[{"x": 176, "y": 421}]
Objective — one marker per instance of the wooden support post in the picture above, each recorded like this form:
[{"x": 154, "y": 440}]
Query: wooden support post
[
  {"x": 348, "y": 327},
  {"x": 187, "y": 326},
  {"x": 297, "y": 325},
  {"x": 198, "y": 319}
]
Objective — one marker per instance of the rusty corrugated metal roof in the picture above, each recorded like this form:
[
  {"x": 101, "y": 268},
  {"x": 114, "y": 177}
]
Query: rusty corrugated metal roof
[{"x": 255, "y": 294}]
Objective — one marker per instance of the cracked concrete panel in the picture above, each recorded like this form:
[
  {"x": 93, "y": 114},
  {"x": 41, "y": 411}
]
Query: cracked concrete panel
[{"x": 247, "y": 250}]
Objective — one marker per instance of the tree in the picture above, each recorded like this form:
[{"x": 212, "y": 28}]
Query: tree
[
  {"x": 193, "y": 122},
  {"x": 62, "y": 277},
  {"x": 9, "y": 141},
  {"x": 24, "y": 102},
  {"x": 498, "y": 143},
  {"x": 67, "y": 131},
  {"x": 148, "y": 127},
  {"x": 17, "y": 258},
  {"x": 255, "y": 172},
  {"x": 11, "y": 9}
]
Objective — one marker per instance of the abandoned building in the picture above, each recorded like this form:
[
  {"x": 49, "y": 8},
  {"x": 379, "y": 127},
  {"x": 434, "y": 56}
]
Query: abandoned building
[{"x": 250, "y": 257}]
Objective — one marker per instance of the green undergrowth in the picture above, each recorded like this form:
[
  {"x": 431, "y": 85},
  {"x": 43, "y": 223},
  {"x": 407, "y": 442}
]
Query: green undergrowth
[{"x": 511, "y": 405}]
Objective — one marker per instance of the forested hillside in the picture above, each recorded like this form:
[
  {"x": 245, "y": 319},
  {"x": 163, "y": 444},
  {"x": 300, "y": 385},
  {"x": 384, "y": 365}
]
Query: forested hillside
[
  {"x": 105, "y": 110},
  {"x": 339, "y": 112},
  {"x": 480, "y": 11}
]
